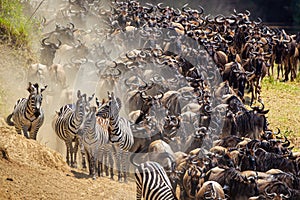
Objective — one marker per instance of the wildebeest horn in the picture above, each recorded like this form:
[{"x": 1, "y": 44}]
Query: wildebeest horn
[
  {"x": 286, "y": 142},
  {"x": 248, "y": 13},
  {"x": 44, "y": 43},
  {"x": 59, "y": 44},
  {"x": 72, "y": 26},
  {"x": 159, "y": 96},
  {"x": 118, "y": 72},
  {"x": 150, "y": 10},
  {"x": 177, "y": 12},
  {"x": 144, "y": 95},
  {"x": 262, "y": 108},
  {"x": 286, "y": 196},
  {"x": 219, "y": 19},
  {"x": 142, "y": 54},
  {"x": 276, "y": 133},
  {"x": 258, "y": 22},
  {"x": 131, "y": 55},
  {"x": 269, "y": 194},
  {"x": 157, "y": 78},
  {"x": 159, "y": 6}
]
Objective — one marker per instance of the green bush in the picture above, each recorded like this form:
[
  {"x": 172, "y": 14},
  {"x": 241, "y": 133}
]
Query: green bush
[{"x": 14, "y": 25}]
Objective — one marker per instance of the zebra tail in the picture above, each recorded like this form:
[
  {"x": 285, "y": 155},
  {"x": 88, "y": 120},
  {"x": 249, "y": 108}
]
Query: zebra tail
[
  {"x": 9, "y": 121},
  {"x": 132, "y": 160}
]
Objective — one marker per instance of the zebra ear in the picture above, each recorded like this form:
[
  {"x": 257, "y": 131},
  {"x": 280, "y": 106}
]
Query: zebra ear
[
  {"x": 97, "y": 102},
  {"x": 91, "y": 97},
  {"x": 30, "y": 88},
  {"x": 78, "y": 94},
  {"x": 118, "y": 100},
  {"x": 42, "y": 89}
]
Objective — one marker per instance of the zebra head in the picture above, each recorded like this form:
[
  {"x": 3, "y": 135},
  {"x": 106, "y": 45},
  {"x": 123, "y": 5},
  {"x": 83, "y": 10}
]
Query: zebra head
[
  {"x": 35, "y": 98},
  {"x": 114, "y": 105},
  {"x": 80, "y": 104},
  {"x": 103, "y": 108},
  {"x": 87, "y": 103}
]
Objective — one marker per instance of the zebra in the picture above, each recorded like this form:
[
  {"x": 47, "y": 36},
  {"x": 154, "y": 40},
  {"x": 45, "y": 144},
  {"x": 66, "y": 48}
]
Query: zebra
[
  {"x": 120, "y": 133},
  {"x": 66, "y": 124},
  {"x": 106, "y": 150},
  {"x": 28, "y": 115},
  {"x": 90, "y": 139},
  {"x": 152, "y": 182},
  {"x": 94, "y": 136}
]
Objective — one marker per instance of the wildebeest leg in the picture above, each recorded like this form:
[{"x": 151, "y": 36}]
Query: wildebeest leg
[
  {"x": 287, "y": 71},
  {"x": 278, "y": 70},
  {"x": 252, "y": 93}
]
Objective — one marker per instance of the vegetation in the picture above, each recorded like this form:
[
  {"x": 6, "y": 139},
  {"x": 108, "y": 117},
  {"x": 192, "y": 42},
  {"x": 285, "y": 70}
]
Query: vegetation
[
  {"x": 283, "y": 100},
  {"x": 15, "y": 27}
]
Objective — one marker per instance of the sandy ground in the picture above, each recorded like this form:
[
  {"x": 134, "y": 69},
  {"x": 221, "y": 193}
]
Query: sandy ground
[{"x": 29, "y": 170}]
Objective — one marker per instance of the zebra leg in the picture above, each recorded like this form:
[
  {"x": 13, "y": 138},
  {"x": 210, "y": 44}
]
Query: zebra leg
[
  {"x": 100, "y": 162},
  {"x": 68, "y": 153},
  {"x": 83, "y": 162},
  {"x": 35, "y": 127},
  {"x": 93, "y": 167},
  {"x": 125, "y": 164},
  {"x": 106, "y": 164},
  {"x": 89, "y": 157},
  {"x": 118, "y": 162},
  {"x": 111, "y": 164},
  {"x": 75, "y": 150}
]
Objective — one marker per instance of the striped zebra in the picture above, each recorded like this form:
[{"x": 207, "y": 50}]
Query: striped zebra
[
  {"x": 94, "y": 136},
  {"x": 152, "y": 182},
  {"x": 66, "y": 124},
  {"x": 90, "y": 139},
  {"x": 106, "y": 150},
  {"x": 120, "y": 133},
  {"x": 28, "y": 115}
]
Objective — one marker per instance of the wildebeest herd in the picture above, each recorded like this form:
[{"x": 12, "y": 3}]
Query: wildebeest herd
[{"x": 169, "y": 96}]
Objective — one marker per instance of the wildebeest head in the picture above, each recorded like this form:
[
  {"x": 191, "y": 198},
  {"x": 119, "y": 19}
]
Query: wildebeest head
[{"x": 48, "y": 51}]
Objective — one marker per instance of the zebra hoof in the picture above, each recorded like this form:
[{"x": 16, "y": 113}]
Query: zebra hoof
[{"x": 94, "y": 177}]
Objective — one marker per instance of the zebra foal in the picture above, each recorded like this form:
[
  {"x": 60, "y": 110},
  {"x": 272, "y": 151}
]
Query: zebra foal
[{"x": 28, "y": 115}]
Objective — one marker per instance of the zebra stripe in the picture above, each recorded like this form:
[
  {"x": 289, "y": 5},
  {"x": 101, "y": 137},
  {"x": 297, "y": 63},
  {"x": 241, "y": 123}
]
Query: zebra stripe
[
  {"x": 94, "y": 134},
  {"x": 28, "y": 116},
  {"x": 120, "y": 132},
  {"x": 153, "y": 183},
  {"x": 106, "y": 149},
  {"x": 66, "y": 125}
]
